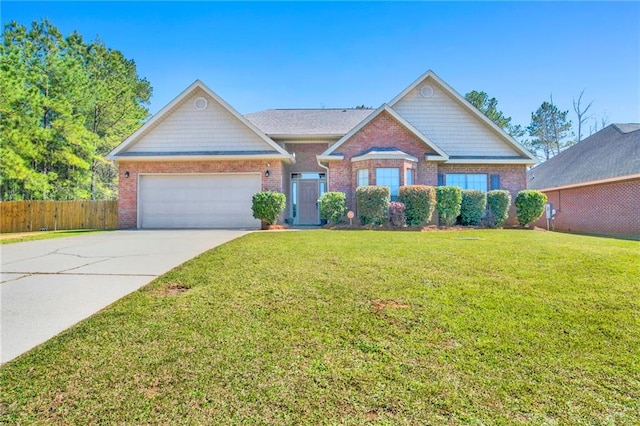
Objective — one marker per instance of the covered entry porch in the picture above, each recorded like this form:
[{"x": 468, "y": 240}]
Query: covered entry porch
[{"x": 304, "y": 190}]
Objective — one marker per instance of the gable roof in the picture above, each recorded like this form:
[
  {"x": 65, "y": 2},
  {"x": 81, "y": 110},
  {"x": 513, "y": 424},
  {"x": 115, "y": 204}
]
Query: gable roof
[
  {"x": 430, "y": 75},
  {"x": 384, "y": 153},
  {"x": 120, "y": 150},
  {"x": 287, "y": 123},
  {"x": 328, "y": 154},
  {"x": 613, "y": 153}
]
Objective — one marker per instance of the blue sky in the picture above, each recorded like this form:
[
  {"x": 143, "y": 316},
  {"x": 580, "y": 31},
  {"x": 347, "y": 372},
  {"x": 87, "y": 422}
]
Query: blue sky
[{"x": 302, "y": 54}]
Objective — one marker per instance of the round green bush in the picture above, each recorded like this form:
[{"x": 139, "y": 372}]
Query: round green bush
[
  {"x": 373, "y": 204},
  {"x": 333, "y": 206},
  {"x": 498, "y": 202},
  {"x": 268, "y": 205},
  {"x": 529, "y": 206},
  {"x": 449, "y": 199},
  {"x": 419, "y": 201},
  {"x": 473, "y": 206}
]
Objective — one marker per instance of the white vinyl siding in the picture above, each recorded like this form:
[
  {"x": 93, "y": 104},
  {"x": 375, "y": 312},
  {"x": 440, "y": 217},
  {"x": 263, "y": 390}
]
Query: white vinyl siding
[
  {"x": 197, "y": 200},
  {"x": 389, "y": 177},
  {"x": 186, "y": 129},
  {"x": 450, "y": 125},
  {"x": 467, "y": 181},
  {"x": 363, "y": 177}
]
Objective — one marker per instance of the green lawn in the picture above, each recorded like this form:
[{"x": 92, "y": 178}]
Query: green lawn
[
  {"x": 350, "y": 327},
  {"x": 18, "y": 237}
]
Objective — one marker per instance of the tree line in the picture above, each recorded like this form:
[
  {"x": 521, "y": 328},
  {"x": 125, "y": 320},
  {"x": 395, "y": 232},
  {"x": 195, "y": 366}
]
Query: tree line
[
  {"x": 550, "y": 130},
  {"x": 64, "y": 104}
]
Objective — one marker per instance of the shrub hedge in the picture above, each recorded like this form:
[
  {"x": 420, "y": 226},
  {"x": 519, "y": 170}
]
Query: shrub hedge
[
  {"x": 419, "y": 201},
  {"x": 498, "y": 202},
  {"x": 333, "y": 206},
  {"x": 449, "y": 199},
  {"x": 473, "y": 206},
  {"x": 397, "y": 214},
  {"x": 268, "y": 205},
  {"x": 529, "y": 206},
  {"x": 373, "y": 204}
]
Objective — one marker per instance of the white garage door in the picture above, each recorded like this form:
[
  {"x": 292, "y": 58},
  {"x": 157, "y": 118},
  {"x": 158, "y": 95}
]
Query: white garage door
[{"x": 197, "y": 201}]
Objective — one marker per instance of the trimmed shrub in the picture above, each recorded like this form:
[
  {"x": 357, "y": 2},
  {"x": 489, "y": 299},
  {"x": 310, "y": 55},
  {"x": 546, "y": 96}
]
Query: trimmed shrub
[
  {"x": 373, "y": 204},
  {"x": 529, "y": 206},
  {"x": 473, "y": 206},
  {"x": 397, "y": 214},
  {"x": 419, "y": 201},
  {"x": 498, "y": 202},
  {"x": 333, "y": 206},
  {"x": 449, "y": 199},
  {"x": 268, "y": 205}
]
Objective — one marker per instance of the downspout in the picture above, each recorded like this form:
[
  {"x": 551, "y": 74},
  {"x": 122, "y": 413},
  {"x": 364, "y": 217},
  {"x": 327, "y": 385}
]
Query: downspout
[{"x": 327, "y": 169}]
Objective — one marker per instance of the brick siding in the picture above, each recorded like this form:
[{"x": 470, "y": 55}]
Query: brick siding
[
  {"x": 385, "y": 131},
  {"x": 128, "y": 187},
  {"x": 605, "y": 209},
  {"x": 381, "y": 132}
]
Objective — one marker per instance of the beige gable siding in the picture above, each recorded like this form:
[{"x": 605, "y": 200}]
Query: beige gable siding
[
  {"x": 450, "y": 125},
  {"x": 186, "y": 129}
]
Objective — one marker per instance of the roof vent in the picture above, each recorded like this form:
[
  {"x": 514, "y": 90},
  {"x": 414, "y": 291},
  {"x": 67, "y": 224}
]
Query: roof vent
[
  {"x": 200, "y": 103},
  {"x": 426, "y": 91}
]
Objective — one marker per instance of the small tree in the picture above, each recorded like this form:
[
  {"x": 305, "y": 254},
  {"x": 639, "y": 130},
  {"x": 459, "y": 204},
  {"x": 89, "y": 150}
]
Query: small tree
[
  {"x": 498, "y": 202},
  {"x": 373, "y": 204},
  {"x": 268, "y": 205},
  {"x": 529, "y": 206},
  {"x": 549, "y": 129},
  {"x": 473, "y": 206},
  {"x": 449, "y": 199},
  {"x": 419, "y": 201},
  {"x": 333, "y": 206}
]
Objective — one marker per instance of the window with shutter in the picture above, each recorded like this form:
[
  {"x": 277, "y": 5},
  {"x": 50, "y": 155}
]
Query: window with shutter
[{"x": 495, "y": 182}]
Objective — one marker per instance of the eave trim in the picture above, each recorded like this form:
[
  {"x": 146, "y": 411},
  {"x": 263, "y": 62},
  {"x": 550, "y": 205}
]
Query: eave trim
[{"x": 590, "y": 183}]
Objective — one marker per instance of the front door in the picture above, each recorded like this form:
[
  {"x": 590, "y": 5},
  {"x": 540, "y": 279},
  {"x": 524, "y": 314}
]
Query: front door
[
  {"x": 305, "y": 190},
  {"x": 308, "y": 196}
]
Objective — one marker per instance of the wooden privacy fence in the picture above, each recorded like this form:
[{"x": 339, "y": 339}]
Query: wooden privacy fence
[{"x": 25, "y": 216}]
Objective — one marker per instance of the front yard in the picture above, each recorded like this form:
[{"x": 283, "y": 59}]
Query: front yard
[{"x": 340, "y": 327}]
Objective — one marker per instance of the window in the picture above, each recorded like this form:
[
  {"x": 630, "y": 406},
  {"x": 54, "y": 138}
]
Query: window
[
  {"x": 467, "y": 181},
  {"x": 408, "y": 177},
  {"x": 294, "y": 199},
  {"x": 308, "y": 175},
  {"x": 390, "y": 178},
  {"x": 363, "y": 177}
]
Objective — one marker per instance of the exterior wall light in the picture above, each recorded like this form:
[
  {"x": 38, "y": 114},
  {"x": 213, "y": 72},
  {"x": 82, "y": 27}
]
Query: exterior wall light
[
  {"x": 126, "y": 175},
  {"x": 266, "y": 173}
]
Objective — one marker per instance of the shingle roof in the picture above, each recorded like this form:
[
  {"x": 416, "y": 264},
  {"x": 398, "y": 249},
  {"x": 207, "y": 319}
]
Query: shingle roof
[
  {"x": 308, "y": 121},
  {"x": 612, "y": 152}
]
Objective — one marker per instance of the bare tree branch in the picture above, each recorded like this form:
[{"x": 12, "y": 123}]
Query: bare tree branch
[{"x": 581, "y": 113}]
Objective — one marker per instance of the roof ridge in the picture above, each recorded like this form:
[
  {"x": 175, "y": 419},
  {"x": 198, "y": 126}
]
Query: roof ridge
[
  {"x": 312, "y": 109},
  {"x": 625, "y": 132}
]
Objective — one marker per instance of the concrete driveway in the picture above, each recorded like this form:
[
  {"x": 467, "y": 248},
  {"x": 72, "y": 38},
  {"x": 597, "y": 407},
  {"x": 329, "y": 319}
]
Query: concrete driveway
[{"x": 47, "y": 286}]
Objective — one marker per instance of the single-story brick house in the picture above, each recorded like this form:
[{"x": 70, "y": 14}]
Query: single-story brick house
[
  {"x": 594, "y": 185},
  {"x": 198, "y": 161}
]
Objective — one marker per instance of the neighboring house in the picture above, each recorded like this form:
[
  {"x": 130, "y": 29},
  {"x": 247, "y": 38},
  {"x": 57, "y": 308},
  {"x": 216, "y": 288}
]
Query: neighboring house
[
  {"x": 198, "y": 161},
  {"x": 594, "y": 186}
]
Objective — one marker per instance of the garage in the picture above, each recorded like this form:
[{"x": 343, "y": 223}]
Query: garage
[{"x": 197, "y": 200}]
